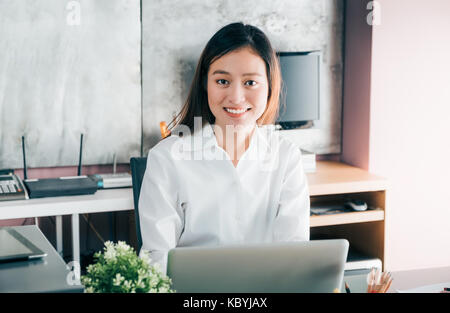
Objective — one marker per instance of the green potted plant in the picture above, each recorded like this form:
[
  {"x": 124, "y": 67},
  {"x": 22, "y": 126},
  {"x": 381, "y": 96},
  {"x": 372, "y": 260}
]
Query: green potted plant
[{"x": 119, "y": 270}]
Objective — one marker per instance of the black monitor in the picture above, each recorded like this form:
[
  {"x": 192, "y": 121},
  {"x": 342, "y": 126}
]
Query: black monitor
[{"x": 300, "y": 94}]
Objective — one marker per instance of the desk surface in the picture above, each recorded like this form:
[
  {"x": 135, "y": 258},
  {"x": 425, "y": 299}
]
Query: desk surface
[
  {"x": 102, "y": 201},
  {"x": 403, "y": 280},
  {"x": 335, "y": 178},
  {"x": 417, "y": 278},
  {"x": 44, "y": 275},
  {"x": 50, "y": 274}
]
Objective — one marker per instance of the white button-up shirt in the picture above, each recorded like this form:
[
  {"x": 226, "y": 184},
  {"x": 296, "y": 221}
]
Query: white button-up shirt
[{"x": 193, "y": 195}]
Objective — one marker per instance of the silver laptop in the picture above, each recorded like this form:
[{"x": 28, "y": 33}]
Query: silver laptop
[{"x": 289, "y": 267}]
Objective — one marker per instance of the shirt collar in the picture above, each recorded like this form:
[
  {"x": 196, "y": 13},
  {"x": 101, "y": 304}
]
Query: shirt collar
[{"x": 204, "y": 138}]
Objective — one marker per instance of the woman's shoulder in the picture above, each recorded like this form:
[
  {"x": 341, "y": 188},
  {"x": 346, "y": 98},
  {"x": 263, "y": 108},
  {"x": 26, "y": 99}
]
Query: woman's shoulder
[
  {"x": 276, "y": 140},
  {"x": 164, "y": 147}
]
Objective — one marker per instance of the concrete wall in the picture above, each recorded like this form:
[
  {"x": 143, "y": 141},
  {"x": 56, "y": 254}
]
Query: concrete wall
[
  {"x": 175, "y": 32},
  {"x": 66, "y": 68},
  {"x": 72, "y": 67}
]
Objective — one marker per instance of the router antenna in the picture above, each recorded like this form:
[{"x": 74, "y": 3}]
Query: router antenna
[
  {"x": 25, "y": 176},
  {"x": 114, "y": 163},
  {"x": 81, "y": 154}
]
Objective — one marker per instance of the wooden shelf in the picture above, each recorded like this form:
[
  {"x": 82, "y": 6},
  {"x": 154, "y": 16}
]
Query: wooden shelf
[
  {"x": 333, "y": 183},
  {"x": 338, "y": 178},
  {"x": 347, "y": 218}
]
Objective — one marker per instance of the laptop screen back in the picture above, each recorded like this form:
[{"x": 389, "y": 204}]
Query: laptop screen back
[{"x": 311, "y": 266}]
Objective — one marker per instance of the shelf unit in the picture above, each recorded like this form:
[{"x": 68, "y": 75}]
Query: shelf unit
[{"x": 334, "y": 183}]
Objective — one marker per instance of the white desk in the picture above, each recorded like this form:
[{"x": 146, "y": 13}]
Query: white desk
[
  {"x": 402, "y": 280},
  {"x": 111, "y": 200}
]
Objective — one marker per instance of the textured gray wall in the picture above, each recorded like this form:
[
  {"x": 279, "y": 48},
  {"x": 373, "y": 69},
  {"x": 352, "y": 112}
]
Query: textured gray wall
[
  {"x": 58, "y": 80},
  {"x": 62, "y": 74},
  {"x": 176, "y": 31}
]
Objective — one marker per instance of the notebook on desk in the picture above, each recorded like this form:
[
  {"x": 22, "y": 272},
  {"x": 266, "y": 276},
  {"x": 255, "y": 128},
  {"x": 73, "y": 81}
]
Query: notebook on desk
[
  {"x": 15, "y": 247},
  {"x": 311, "y": 266}
]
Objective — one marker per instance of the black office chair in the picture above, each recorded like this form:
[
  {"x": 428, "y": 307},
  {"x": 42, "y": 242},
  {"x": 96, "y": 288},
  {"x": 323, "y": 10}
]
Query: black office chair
[{"x": 138, "y": 166}]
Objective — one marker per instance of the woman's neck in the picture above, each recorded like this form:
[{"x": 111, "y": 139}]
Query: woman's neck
[{"x": 234, "y": 139}]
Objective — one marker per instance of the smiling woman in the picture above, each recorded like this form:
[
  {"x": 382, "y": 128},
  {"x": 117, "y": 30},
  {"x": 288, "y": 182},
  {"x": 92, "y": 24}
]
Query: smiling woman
[
  {"x": 234, "y": 47},
  {"x": 237, "y": 95},
  {"x": 239, "y": 182},
  {"x": 235, "y": 87}
]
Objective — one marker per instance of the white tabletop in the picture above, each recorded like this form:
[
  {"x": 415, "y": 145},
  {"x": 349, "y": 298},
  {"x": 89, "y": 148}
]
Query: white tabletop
[{"x": 108, "y": 200}]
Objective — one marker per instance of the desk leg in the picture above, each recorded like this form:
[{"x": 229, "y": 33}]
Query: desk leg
[
  {"x": 59, "y": 234},
  {"x": 76, "y": 239}
]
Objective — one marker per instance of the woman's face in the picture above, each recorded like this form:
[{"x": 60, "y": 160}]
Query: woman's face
[{"x": 237, "y": 88}]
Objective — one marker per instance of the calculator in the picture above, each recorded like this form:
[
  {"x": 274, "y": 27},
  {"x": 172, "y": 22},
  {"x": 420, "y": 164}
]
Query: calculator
[{"x": 12, "y": 188}]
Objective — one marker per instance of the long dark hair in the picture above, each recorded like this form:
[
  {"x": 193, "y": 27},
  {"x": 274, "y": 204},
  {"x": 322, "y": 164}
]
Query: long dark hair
[{"x": 230, "y": 38}]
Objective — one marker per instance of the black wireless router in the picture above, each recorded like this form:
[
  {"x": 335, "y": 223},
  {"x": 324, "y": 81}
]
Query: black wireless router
[{"x": 57, "y": 187}]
